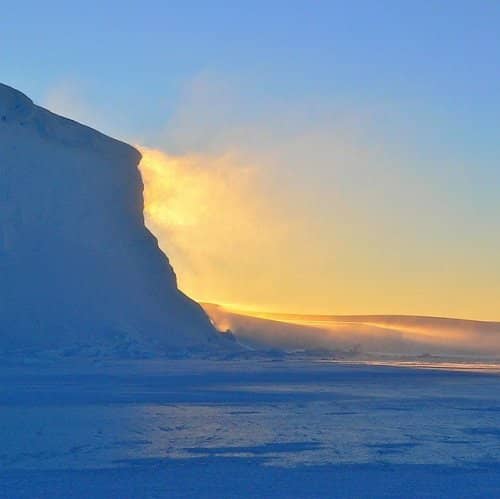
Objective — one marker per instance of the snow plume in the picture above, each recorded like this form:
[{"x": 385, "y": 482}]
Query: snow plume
[
  {"x": 250, "y": 205},
  {"x": 378, "y": 334},
  {"x": 213, "y": 216},
  {"x": 305, "y": 206}
]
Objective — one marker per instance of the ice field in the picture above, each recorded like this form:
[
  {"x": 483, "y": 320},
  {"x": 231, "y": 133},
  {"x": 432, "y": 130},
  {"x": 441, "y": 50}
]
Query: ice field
[{"x": 248, "y": 428}]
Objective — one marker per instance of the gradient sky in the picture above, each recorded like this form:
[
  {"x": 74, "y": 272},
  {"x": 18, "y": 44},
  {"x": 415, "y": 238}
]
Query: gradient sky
[{"x": 364, "y": 135}]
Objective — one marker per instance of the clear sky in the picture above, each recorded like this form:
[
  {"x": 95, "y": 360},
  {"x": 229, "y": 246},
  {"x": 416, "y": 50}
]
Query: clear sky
[{"x": 335, "y": 157}]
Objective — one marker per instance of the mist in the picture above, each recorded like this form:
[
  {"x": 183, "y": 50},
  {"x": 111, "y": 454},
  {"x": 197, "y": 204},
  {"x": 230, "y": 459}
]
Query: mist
[
  {"x": 317, "y": 207},
  {"x": 308, "y": 206},
  {"x": 360, "y": 335}
]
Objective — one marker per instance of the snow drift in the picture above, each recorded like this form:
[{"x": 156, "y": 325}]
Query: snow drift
[
  {"x": 77, "y": 265},
  {"x": 360, "y": 334}
]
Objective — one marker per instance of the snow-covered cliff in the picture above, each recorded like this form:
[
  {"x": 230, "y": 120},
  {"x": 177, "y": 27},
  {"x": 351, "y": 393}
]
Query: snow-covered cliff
[{"x": 77, "y": 265}]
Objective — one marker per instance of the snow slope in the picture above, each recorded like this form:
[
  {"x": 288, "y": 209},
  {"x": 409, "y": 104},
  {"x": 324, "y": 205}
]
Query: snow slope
[
  {"x": 379, "y": 334},
  {"x": 77, "y": 265}
]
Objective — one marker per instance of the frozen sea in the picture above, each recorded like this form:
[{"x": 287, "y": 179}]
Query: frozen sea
[{"x": 249, "y": 428}]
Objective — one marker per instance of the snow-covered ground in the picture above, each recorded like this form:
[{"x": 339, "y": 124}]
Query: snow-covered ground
[{"x": 248, "y": 428}]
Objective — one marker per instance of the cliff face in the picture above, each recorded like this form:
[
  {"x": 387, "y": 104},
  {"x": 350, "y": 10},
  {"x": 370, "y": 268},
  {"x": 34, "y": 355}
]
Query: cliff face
[{"x": 77, "y": 265}]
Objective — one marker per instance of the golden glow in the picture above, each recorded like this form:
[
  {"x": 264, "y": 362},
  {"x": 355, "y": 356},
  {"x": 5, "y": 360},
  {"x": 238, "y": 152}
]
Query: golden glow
[
  {"x": 431, "y": 329},
  {"x": 216, "y": 223},
  {"x": 237, "y": 232},
  {"x": 389, "y": 334}
]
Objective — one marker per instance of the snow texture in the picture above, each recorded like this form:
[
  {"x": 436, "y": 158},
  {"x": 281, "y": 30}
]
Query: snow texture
[
  {"x": 78, "y": 267},
  {"x": 379, "y": 335},
  {"x": 225, "y": 429}
]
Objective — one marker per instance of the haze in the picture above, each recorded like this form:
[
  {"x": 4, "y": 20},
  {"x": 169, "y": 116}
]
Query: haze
[{"x": 295, "y": 162}]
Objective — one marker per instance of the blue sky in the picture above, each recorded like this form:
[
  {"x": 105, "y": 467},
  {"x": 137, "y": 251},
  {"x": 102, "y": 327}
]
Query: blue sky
[
  {"x": 419, "y": 81},
  {"x": 438, "y": 57}
]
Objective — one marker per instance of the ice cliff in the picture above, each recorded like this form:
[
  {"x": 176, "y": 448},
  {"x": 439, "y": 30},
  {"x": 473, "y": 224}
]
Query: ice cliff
[{"x": 77, "y": 265}]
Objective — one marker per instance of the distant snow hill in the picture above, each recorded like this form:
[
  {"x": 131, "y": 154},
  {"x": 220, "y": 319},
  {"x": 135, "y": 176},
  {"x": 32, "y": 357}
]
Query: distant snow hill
[
  {"x": 377, "y": 334},
  {"x": 78, "y": 268}
]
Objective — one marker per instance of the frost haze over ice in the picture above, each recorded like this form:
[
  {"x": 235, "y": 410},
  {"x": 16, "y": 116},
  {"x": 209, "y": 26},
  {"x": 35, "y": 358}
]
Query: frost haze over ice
[{"x": 77, "y": 265}]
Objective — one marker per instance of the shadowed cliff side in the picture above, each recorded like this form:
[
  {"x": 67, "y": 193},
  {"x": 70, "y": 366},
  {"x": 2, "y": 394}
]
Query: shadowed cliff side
[{"x": 77, "y": 265}]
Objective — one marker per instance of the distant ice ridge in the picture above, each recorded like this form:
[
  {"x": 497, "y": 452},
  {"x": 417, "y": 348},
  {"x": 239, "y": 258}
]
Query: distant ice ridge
[
  {"x": 77, "y": 265},
  {"x": 358, "y": 335}
]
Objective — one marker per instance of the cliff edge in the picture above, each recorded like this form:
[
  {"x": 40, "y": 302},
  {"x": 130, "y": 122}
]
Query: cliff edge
[{"x": 77, "y": 264}]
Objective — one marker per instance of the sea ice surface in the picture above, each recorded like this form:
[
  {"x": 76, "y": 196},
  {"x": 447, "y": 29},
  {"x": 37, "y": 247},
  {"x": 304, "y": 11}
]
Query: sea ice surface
[{"x": 248, "y": 428}]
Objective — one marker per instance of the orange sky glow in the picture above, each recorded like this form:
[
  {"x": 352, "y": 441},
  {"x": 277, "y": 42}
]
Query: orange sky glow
[{"x": 237, "y": 236}]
